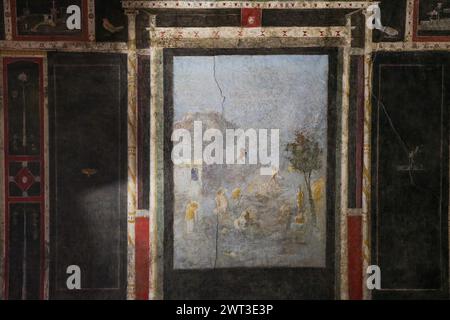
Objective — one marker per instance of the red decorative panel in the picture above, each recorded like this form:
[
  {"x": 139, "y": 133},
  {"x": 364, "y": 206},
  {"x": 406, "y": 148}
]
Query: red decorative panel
[
  {"x": 251, "y": 17},
  {"x": 355, "y": 260},
  {"x": 24, "y": 177},
  {"x": 142, "y": 257}
]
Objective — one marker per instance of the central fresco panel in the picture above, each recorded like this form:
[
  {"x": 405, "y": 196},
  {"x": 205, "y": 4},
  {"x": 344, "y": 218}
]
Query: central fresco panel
[{"x": 250, "y": 189}]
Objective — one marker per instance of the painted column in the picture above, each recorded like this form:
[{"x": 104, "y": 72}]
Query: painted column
[
  {"x": 344, "y": 161},
  {"x": 132, "y": 146},
  {"x": 366, "y": 187},
  {"x": 354, "y": 232},
  {"x": 142, "y": 227},
  {"x": 156, "y": 167}
]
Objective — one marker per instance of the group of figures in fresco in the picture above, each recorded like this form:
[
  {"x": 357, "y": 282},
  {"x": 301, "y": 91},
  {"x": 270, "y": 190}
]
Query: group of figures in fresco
[
  {"x": 230, "y": 215},
  {"x": 233, "y": 216}
]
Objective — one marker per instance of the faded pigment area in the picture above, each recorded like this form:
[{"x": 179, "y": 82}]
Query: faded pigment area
[{"x": 229, "y": 215}]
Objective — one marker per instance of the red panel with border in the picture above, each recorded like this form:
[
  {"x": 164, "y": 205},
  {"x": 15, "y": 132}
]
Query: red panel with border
[
  {"x": 355, "y": 260},
  {"x": 251, "y": 17},
  {"x": 142, "y": 258},
  {"x": 12, "y": 158}
]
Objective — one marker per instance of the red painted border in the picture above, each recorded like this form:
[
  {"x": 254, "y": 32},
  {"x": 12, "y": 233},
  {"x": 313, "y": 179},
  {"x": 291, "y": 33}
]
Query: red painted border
[
  {"x": 355, "y": 261},
  {"x": 8, "y": 159},
  {"x": 142, "y": 257},
  {"x": 84, "y": 27},
  {"x": 142, "y": 224},
  {"x": 418, "y": 38}
]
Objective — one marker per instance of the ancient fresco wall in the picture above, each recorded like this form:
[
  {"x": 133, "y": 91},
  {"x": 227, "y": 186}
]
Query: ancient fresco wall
[{"x": 227, "y": 226}]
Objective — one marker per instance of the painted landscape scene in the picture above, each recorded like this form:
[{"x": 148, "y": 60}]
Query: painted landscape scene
[{"x": 231, "y": 215}]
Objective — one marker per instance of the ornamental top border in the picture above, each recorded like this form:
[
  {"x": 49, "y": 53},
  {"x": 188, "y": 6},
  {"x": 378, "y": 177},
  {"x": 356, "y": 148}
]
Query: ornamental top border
[
  {"x": 181, "y": 4},
  {"x": 242, "y": 33}
]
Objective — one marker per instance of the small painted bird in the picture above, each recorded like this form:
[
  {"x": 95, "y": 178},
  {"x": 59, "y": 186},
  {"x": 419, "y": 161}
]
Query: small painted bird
[{"x": 110, "y": 27}]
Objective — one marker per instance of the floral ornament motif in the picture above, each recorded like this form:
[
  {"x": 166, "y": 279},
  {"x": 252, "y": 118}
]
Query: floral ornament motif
[{"x": 23, "y": 77}]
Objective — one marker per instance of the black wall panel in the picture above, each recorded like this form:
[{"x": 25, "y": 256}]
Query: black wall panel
[
  {"x": 24, "y": 251},
  {"x": 88, "y": 103},
  {"x": 198, "y": 18},
  {"x": 410, "y": 175},
  {"x": 310, "y": 17}
]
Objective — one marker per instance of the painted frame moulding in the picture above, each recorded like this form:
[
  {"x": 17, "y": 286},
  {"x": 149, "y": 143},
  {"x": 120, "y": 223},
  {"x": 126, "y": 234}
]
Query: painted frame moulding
[
  {"x": 246, "y": 4},
  {"x": 236, "y": 37}
]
